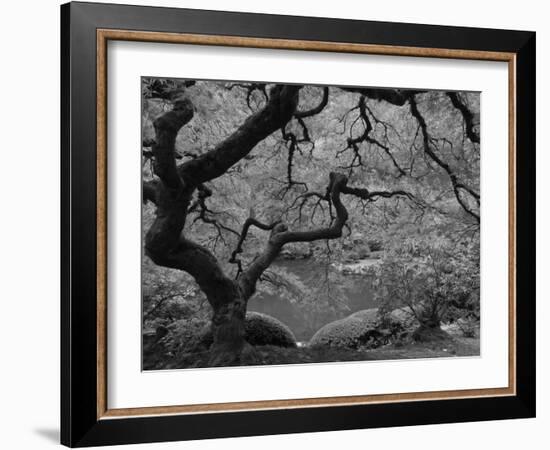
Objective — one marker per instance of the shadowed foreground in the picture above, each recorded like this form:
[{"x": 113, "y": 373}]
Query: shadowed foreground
[{"x": 451, "y": 344}]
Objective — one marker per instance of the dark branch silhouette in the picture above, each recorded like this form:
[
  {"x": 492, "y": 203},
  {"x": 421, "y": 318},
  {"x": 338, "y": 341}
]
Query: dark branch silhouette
[
  {"x": 398, "y": 97},
  {"x": 468, "y": 116},
  {"x": 165, "y": 243},
  {"x": 281, "y": 235},
  {"x": 458, "y": 186},
  {"x": 317, "y": 109},
  {"x": 180, "y": 190}
]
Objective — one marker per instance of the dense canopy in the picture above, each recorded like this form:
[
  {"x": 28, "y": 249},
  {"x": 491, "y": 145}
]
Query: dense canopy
[{"x": 238, "y": 175}]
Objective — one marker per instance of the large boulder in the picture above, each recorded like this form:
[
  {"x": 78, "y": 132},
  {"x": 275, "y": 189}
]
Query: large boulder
[{"x": 354, "y": 331}]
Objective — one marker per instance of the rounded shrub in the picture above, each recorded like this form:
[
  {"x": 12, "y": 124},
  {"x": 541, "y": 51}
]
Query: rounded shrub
[
  {"x": 260, "y": 329},
  {"x": 351, "y": 332}
]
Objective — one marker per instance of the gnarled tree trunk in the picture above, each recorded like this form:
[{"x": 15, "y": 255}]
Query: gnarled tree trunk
[
  {"x": 165, "y": 242},
  {"x": 173, "y": 191},
  {"x": 228, "y": 331}
]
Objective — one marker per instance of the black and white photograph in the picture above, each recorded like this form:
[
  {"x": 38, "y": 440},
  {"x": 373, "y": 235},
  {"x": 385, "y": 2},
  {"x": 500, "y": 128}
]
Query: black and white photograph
[
  {"x": 275, "y": 225},
  {"x": 298, "y": 224}
]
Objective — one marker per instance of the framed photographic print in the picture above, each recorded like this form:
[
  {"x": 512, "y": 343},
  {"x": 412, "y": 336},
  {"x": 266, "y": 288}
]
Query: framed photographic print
[{"x": 276, "y": 224}]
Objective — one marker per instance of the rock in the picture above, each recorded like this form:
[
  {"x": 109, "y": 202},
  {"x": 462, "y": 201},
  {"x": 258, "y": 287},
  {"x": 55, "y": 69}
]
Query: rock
[{"x": 355, "y": 266}]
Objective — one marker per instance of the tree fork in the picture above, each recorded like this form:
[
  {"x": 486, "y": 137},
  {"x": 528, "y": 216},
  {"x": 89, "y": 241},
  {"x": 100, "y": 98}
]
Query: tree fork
[{"x": 165, "y": 242}]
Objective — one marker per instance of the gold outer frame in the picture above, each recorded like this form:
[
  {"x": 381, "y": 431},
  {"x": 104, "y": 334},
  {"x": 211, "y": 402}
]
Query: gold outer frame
[{"x": 104, "y": 35}]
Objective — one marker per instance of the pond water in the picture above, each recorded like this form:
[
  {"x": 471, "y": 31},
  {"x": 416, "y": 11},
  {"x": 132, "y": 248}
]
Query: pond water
[{"x": 355, "y": 293}]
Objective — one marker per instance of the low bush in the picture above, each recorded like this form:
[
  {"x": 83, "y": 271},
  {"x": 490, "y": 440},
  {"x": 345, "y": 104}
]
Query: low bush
[
  {"x": 364, "y": 329},
  {"x": 440, "y": 286},
  {"x": 260, "y": 329}
]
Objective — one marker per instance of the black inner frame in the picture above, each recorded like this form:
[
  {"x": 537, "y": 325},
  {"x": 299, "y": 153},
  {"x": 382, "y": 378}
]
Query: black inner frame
[{"x": 79, "y": 424}]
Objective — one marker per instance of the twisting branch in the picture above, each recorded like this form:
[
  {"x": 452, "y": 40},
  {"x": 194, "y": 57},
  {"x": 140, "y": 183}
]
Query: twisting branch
[
  {"x": 165, "y": 243},
  {"x": 291, "y": 138},
  {"x": 293, "y": 141},
  {"x": 467, "y": 115},
  {"x": 353, "y": 142},
  {"x": 166, "y": 129},
  {"x": 365, "y": 194},
  {"x": 396, "y": 97},
  {"x": 165, "y": 89},
  {"x": 317, "y": 109},
  {"x": 277, "y": 112},
  {"x": 247, "y": 224},
  {"x": 280, "y": 235},
  {"x": 305, "y": 136},
  {"x": 203, "y": 193},
  {"x": 301, "y": 200},
  {"x": 250, "y": 89},
  {"x": 239, "y": 249},
  {"x": 372, "y": 196},
  {"x": 457, "y": 185}
]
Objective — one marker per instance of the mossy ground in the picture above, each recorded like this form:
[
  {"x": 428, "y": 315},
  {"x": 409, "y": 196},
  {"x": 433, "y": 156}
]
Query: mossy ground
[{"x": 453, "y": 346}]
